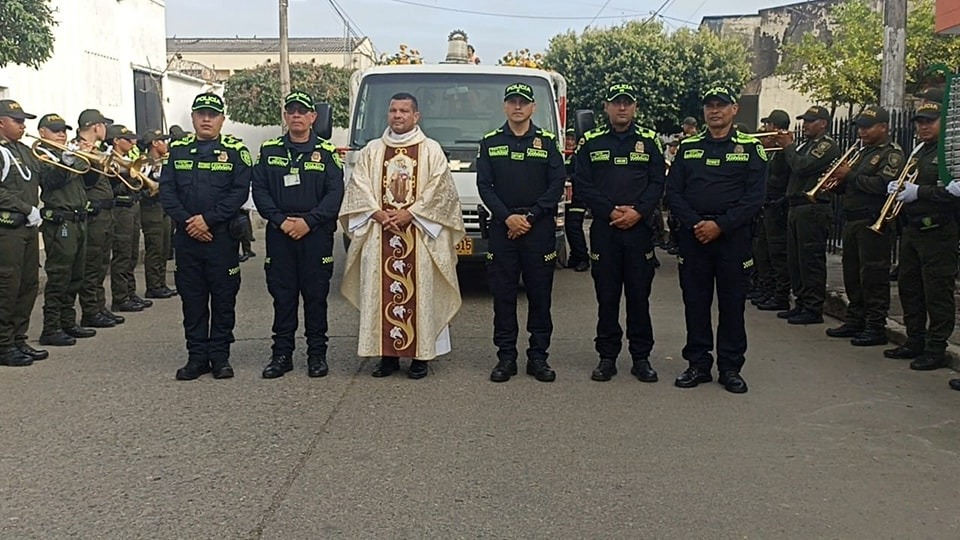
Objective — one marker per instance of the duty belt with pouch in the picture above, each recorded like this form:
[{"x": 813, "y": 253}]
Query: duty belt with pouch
[
  {"x": 127, "y": 201},
  {"x": 12, "y": 220},
  {"x": 60, "y": 216}
]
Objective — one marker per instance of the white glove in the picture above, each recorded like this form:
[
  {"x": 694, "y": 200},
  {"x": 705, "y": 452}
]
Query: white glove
[
  {"x": 68, "y": 158},
  {"x": 954, "y": 187},
  {"x": 893, "y": 187},
  {"x": 909, "y": 193},
  {"x": 34, "y": 219}
]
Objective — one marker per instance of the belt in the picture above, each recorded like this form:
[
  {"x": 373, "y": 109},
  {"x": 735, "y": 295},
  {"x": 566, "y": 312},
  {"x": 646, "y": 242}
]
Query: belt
[
  {"x": 520, "y": 209},
  {"x": 59, "y": 216},
  {"x": 710, "y": 217},
  {"x": 126, "y": 201},
  {"x": 794, "y": 202},
  {"x": 103, "y": 204}
]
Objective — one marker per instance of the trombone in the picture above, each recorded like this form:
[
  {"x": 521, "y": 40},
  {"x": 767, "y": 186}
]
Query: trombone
[
  {"x": 41, "y": 149},
  {"x": 849, "y": 158},
  {"x": 892, "y": 207}
]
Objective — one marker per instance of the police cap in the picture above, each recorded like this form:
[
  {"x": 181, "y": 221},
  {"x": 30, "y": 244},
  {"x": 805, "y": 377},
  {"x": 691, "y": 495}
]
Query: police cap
[
  {"x": 815, "y": 113},
  {"x": 90, "y": 117},
  {"x": 302, "y": 98},
  {"x": 928, "y": 111},
  {"x": 872, "y": 116},
  {"x": 12, "y": 109},
  {"x": 208, "y": 101},
  {"x": 721, "y": 92},
  {"x": 778, "y": 118},
  {"x": 53, "y": 122},
  {"x": 519, "y": 89},
  {"x": 621, "y": 89}
]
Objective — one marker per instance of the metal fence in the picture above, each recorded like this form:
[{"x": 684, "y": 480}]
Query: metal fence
[{"x": 845, "y": 133}]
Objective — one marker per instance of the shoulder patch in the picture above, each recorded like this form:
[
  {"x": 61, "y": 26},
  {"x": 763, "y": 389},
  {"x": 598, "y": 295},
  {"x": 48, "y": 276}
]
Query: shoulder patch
[
  {"x": 245, "y": 156},
  {"x": 186, "y": 141},
  {"x": 692, "y": 139},
  {"x": 745, "y": 138},
  {"x": 492, "y": 133},
  {"x": 273, "y": 142},
  {"x": 545, "y": 133},
  {"x": 594, "y": 133},
  {"x": 821, "y": 149},
  {"x": 327, "y": 145},
  {"x": 894, "y": 159}
]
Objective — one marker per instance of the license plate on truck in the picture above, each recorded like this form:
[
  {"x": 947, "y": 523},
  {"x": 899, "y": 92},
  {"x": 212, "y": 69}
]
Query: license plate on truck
[{"x": 465, "y": 247}]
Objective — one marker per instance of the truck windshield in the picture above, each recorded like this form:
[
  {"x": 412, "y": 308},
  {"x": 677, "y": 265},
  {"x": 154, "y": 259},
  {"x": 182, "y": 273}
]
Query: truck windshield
[{"x": 456, "y": 109}]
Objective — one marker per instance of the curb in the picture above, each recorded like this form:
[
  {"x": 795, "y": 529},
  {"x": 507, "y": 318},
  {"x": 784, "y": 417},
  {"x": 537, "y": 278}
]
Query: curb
[{"x": 835, "y": 306}]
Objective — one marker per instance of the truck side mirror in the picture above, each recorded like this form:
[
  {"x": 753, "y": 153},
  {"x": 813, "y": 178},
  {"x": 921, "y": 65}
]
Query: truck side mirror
[
  {"x": 583, "y": 121},
  {"x": 323, "y": 125}
]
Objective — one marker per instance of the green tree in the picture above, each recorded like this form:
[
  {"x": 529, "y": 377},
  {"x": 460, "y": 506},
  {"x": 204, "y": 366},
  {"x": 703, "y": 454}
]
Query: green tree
[
  {"x": 843, "y": 65},
  {"x": 253, "y": 96},
  {"x": 25, "y": 32},
  {"x": 669, "y": 70}
]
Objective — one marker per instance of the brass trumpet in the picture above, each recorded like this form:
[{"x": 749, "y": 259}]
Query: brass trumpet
[
  {"x": 40, "y": 150},
  {"x": 767, "y": 134},
  {"x": 133, "y": 168},
  {"x": 849, "y": 158},
  {"x": 892, "y": 207}
]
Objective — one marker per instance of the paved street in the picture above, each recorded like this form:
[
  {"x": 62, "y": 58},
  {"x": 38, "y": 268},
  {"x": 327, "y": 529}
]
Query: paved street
[{"x": 100, "y": 441}]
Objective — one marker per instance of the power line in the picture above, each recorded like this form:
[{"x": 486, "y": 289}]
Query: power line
[
  {"x": 352, "y": 26},
  {"x": 509, "y": 15},
  {"x": 603, "y": 7}
]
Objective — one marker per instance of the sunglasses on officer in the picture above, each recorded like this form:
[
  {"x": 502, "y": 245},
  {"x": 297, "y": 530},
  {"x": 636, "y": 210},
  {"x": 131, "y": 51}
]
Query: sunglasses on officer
[{"x": 296, "y": 108}]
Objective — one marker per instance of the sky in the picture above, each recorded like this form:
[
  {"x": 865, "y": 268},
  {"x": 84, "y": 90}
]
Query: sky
[{"x": 510, "y": 25}]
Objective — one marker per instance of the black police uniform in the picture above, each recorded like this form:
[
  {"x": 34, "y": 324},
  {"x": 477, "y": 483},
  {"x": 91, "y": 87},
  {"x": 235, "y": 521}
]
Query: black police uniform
[
  {"x": 719, "y": 180},
  {"x": 521, "y": 175},
  {"x": 573, "y": 221},
  {"x": 622, "y": 169},
  {"x": 212, "y": 179},
  {"x": 299, "y": 180}
]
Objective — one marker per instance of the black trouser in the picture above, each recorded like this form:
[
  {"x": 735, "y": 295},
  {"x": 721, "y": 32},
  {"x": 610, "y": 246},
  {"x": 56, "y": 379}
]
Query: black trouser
[
  {"x": 573, "y": 227},
  {"x": 19, "y": 282},
  {"x": 623, "y": 264},
  {"x": 65, "y": 244},
  {"x": 534, "y": 257},
  {"x": 295, "y": 268},
  {"x": 208, "y": 279},
  {"x": 808, "y": 229},
  {"x": 866, "y": 274},
  {"x": 775, "y": 228},
  {"x": 726, "y": 263},
  {"x": 927, "y": 281}
]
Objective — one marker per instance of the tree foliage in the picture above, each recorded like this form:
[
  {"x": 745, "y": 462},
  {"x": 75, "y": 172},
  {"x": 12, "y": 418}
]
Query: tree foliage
[
  {"x": 669, "y": 70},
  {"x": 253, "y": 96},
  {"x": 26, "y": 35},
  {"x": 844, "y": 66}
]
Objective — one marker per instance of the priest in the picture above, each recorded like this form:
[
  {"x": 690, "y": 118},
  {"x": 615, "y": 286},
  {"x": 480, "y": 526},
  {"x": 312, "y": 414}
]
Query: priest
[{"x": 402, "y": 214}]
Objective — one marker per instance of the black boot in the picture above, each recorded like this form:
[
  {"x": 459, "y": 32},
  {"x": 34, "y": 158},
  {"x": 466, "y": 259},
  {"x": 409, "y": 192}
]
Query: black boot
[
  {"x": 221, "y": 369},
  {"x": 845, "y": 330},
  {"x": 869, "y": 338},
  {"x": 193, "y": 370},
  {"x": 504, "y": 370},
  {"x": 317, "y": 366},
  {"x": 418, "y": 369},
  {"x": 14, "y": 358},
  {"x": 540, "y": 370},
  {"x": 388, "y": 365},
  {"x": 929, "y": 362},
  {"x": 605, "y": 370},
  {"x": 34, "y": 354},
  {"x": 903, "y": 352},
  {"x": 80, "y": 332},
  {"x": 279, "y": 364},
  {"x": 57, "y": 339},
  {"x": 643, "y": 371},
  {"x": 98, "y": 321}
]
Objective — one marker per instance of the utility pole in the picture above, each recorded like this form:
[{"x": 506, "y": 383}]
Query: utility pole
[
  {"x": 284, "y": 53},
  {"x": 894, "y": 54}
]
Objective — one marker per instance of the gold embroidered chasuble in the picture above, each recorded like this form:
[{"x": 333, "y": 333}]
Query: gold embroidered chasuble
[{"x": 404, "y": 284}]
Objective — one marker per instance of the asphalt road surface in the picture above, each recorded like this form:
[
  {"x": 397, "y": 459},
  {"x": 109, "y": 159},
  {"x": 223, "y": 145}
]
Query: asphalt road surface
[{"x": 100, "y": 441}]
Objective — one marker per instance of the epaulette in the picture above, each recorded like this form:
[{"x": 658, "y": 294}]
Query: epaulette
[
  {"x": 230, "y": 141},
  {"x": 273, "y": 142},
  {"x": 595, "y": 132},
  {"x": 186, "y": 141},
  {"x": 693, "y": 138},
  {"x": 326, "y": 145},
  {"x": 545, "y": 133},
  {"x": 644, "y": 132},
  {"x": 494, "y": 132}
]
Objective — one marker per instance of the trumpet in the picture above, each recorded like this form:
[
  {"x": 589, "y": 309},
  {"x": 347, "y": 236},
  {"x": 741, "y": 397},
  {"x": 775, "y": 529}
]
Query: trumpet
[
  {"x": 100, "y": 162},
  {"x": 849, "y": 158},
  {"x": 767, "y": 134},
  {"x": 132, "y": 167},
  {"x": 41, "y": 149},
  {"x": 892, "y": 207}
]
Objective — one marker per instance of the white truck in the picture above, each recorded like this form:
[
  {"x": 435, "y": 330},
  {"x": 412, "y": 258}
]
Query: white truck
[{"x": 459, "y": 104}]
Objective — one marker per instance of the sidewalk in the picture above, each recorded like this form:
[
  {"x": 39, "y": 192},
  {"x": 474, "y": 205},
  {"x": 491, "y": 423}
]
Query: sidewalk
[{"x": 836, "y": 306}]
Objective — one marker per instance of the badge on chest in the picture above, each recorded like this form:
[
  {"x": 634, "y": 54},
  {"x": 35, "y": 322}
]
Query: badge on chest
[{"x": 292, "y": 179}]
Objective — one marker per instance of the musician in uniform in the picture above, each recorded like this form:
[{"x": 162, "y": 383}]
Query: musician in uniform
[
  {"x": 153, "y": 221},
  {"x": 775, "y": 221},
  {"x": 862, "y": 180},
  {"x": 808, "y": 223},
  {"x": 928, "y": 250},
  {"x": 578, "y": 259},
  {"x": 64, "y": 231}
]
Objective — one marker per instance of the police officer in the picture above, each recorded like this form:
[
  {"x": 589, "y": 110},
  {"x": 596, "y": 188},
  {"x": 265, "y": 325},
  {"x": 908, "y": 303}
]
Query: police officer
[
  {"x": 808, "y": 223},
  {"x": 126, "y": 225},
  {"x": 775, "y": 220},
  {"x": 153, "y": 222},
  {"x": 576, "y": 210},
  {"x": 91, "y": 133},
  {"x": 862, "y": 180},
  {"x": 204, "y": 181},
  {"x": 716, "y": 187},
  {"x": 64, "y": 237},
  {"x": 928, "y": 250},
  {"x": 298, "y": 188},
  {"x": 19, "y": 243},
  {"x": 620, "y": 175},
  {"x": 520, "y": 177}
]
